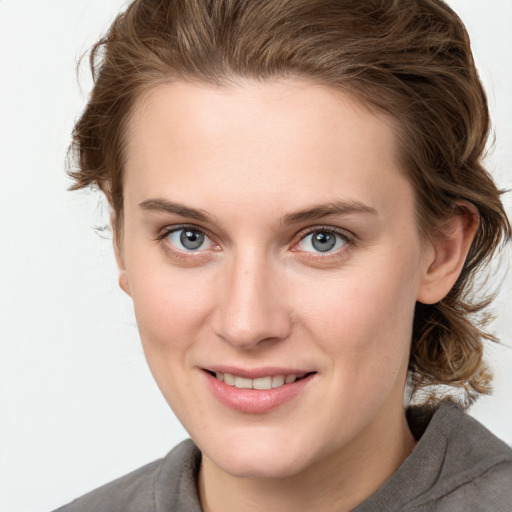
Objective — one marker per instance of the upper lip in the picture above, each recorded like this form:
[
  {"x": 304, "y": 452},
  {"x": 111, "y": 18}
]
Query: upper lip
[{"x": 255, "y": 373}]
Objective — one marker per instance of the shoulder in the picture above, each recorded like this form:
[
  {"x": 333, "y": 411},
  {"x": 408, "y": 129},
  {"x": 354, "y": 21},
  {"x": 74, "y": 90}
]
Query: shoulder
[
  {"x": 490, "y": 491},
  {"x": 133, "y": 491},
  {"x": 473, "y": 471},
  {"x": 156, "y": 486},
  {"x": 457, "y": 465}
]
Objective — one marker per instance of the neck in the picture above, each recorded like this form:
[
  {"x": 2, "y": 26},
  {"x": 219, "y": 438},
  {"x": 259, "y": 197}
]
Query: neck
[{"x": 339, "y": 482}]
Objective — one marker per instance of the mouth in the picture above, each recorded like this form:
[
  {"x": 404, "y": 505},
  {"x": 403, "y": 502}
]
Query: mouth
[
  {"x": 257, "y": 390},
  {"x": 260, "y": 394},
  {"x": 260, "y": 383}
]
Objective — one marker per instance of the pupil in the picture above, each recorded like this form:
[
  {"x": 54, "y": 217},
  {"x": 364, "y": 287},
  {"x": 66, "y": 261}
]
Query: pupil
[
  {"x": 191, "y": 239},
  {"x": 323, "y": 241}
]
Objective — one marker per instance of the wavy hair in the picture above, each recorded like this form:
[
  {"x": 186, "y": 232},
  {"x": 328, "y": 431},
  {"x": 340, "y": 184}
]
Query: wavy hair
[{"x": 410, "y": 59}]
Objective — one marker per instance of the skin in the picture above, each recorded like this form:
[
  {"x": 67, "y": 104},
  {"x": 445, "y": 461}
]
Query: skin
[{"x": 259, "y": 294}]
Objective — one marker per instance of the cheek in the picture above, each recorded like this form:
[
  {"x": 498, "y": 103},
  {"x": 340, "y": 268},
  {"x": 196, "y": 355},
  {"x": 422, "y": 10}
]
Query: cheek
[
  {"x": 170, "y": 307},
  {"x": 363, "y": 318}
]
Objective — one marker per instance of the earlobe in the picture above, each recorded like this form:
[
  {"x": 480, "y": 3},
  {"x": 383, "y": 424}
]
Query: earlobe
[
  {"x": 123, "y": 278},
  {"x": 123, "y": 282},
  {"x": 450, "y": 249}
]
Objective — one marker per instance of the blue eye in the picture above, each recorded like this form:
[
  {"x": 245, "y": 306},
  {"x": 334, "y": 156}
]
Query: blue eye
[
  {"x": 322, "y": 240},
  {"x": 189, "y": 239}
]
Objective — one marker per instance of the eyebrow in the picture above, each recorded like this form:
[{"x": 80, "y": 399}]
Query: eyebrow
[
  {"x": 162, "y": 205},
  {"x": 325, "y": 210},
  {"x": 313, "y": 213}
]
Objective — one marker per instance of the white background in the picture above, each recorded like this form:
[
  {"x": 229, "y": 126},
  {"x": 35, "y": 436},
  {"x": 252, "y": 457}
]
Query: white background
[{"x": 78, "y": 405}]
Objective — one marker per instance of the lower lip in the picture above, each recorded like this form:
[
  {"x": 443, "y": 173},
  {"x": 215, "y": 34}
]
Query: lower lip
[{"x": 255, "y": 401}]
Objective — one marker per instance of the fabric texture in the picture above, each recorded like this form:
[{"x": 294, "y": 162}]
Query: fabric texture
[{"x": 457, "y": 466}]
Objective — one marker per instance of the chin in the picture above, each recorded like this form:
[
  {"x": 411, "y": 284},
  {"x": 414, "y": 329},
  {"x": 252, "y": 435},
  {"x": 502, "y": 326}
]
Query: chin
[
  {"x": 276, "y": 466},
  {"x": 261, "y": 459}
]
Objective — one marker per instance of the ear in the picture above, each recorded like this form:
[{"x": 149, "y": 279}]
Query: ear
[
  {"x": 118, "y": 252},
  {"x": 448, "y": 253}
]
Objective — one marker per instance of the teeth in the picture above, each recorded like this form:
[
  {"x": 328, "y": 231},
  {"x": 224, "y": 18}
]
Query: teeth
[
  {"x": 277, "y": 381},
  {"x": 229, "y": 379},
  {"x": 243, "y": 383},
  {"x": 260, "y": 383}
]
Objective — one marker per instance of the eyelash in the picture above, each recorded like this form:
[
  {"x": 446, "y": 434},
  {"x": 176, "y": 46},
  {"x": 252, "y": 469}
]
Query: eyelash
[
  {"x": 178, "y": 227},
  {"x": 176, "y": 252},
  {"x": 349, "y": 238},
  {"x": 346, "y": 236}
]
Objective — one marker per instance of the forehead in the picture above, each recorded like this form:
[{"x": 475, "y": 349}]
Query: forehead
[{"x": 311, "y": 142}]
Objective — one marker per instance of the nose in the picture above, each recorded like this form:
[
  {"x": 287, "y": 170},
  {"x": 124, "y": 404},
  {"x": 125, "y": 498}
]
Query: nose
[{"x": 252, "y": 307}]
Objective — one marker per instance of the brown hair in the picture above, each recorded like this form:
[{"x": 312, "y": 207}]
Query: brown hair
[{"x": 408, "y": 58}]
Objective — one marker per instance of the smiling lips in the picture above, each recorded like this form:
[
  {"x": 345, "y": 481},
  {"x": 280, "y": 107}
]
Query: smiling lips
[
  {"x": 259, "y": 394},
  {"x": 268, "y": 382}
]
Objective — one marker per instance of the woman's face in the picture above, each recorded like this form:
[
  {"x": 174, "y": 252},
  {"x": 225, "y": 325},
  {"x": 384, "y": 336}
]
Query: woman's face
[{"x": 269, "y": 235}]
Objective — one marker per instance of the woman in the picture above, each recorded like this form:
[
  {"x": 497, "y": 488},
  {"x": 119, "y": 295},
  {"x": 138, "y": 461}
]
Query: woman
[{"x": 299, "y": 208}]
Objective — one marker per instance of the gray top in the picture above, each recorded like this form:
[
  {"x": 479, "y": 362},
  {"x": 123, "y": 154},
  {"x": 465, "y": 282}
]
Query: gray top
[{"x": 457, "y": 465}]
